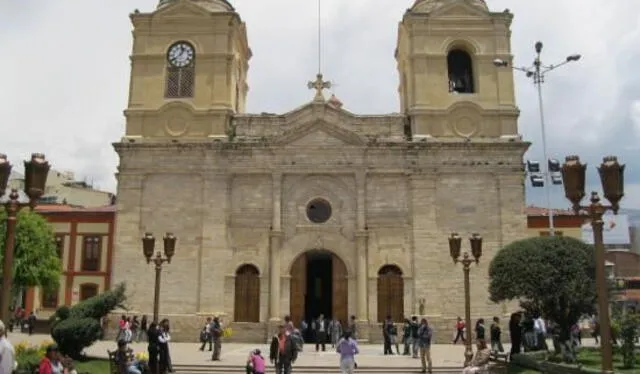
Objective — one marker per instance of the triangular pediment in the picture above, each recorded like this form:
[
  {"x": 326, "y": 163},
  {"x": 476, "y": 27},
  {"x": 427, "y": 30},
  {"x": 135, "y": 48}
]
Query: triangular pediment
[
  {"x": 188, "y": 9},
  {"x": 320, "y": 134},
  {"x": 456, "y": 9}
]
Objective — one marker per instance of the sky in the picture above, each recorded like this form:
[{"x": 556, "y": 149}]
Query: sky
[{"x": 66, "y": 72}]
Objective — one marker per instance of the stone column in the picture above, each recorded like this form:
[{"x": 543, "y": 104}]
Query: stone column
[
  {"x": 361, "y": 249},
  {"x": 275, "y": 246},
  {"x": 361, "y": 276}
]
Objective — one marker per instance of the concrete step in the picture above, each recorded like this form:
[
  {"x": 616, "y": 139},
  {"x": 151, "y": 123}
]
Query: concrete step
[{"x": 215, "y": 369}]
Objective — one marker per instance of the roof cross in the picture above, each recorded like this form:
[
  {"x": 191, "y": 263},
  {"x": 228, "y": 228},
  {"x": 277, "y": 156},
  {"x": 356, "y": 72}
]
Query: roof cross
[{"x": 319, "y": 85}]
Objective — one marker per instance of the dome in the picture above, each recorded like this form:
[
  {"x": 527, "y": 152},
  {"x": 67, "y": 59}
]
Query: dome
[
  {"x": 428, "y": 6},
  {"x": 210, "y": 5}
]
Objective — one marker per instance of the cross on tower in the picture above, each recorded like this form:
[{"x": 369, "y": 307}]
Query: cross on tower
[{"x": 319, "y": 85}]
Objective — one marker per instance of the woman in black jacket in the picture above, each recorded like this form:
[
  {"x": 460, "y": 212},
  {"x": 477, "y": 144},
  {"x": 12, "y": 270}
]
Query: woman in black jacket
[{"x": 515, "y": 333}]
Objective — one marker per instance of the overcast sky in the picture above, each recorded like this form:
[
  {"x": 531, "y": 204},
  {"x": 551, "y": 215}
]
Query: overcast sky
[{"x": 65, "y": 74}]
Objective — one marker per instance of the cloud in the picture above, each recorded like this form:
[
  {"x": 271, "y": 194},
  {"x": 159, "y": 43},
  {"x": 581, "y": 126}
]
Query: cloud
[{"x": 66, "y": 73}]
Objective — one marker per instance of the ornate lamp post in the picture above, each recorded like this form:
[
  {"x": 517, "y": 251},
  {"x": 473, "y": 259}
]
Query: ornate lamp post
[
  {"x": 455, "y": 244},
  {"x": 36, "y": 171},
  {"x": 148, "y": 247},
  {"x": 612, "y": 179}
]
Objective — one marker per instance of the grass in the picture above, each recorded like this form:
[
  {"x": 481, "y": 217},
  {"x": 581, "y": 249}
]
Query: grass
[
  {"x": 590, "y": 357},
  {"x": 513, "y": 369},
  {"x": 93, "y": 366}
]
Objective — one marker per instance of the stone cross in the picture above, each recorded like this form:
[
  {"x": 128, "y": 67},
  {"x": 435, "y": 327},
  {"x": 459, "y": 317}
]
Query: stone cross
[{"x": 319, "y": 84}]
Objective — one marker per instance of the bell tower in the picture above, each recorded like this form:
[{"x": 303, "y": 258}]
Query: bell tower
[
  {"x": 189, "y": 67},
  {"x": 449, "y": 85}
]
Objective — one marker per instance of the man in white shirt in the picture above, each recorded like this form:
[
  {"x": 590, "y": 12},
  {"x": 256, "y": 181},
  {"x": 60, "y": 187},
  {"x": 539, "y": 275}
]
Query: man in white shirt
[
  {"x": 540, "y": 328},
  {"x": 7, "y": 353}
]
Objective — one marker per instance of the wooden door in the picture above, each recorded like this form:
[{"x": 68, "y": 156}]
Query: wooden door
[
  {"x": 247, "y": 295},
  {"x": 390, "y": 294},
  {"x": 340, "y": 290},
  {"x": 298, "y": 289}
]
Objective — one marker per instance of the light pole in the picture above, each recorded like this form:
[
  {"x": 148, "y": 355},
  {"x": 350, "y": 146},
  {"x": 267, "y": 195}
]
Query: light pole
[
  {"x": 455, "y": 244},
  {"x": 36, "y": 171},
  {"x": 538, "y": 73},
  {"x": 612, "y": 179},
  {"x": 148, "y": 247}
]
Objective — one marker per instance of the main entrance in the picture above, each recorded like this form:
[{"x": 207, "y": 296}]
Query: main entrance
[{"x": 318, "y": 286}]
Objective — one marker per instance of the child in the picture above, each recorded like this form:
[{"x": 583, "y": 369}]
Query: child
[{"x": 255, "y": 363}]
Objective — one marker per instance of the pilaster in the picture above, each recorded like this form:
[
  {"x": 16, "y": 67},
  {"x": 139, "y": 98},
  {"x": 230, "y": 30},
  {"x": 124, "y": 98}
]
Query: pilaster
[
  {"x": 361, "y": 248},
  {"x": 275, "y": 247}
]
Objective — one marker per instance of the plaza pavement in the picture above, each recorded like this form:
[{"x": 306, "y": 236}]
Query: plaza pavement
[{"x": 235, "y": 354}]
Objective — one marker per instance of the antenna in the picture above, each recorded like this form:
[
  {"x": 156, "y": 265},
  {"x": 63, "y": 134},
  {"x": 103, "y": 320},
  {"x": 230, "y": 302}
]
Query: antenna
[{"x": 319, "y": 36}]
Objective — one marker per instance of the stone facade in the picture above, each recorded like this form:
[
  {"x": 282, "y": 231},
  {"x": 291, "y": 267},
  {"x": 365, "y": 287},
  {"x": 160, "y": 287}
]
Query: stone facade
[{"x": 234, "y": 187}]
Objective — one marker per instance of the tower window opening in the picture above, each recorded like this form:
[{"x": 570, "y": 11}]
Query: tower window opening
[{"x": 460, "y": 68}]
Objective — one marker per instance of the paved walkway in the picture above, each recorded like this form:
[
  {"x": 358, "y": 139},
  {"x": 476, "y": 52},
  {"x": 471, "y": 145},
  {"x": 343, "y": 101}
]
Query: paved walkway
[{"x": 443, "y": 355}]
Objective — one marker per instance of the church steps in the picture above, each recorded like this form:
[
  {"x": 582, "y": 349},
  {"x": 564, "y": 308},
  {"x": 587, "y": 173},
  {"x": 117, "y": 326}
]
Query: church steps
[{"x": 200, "y": 369}]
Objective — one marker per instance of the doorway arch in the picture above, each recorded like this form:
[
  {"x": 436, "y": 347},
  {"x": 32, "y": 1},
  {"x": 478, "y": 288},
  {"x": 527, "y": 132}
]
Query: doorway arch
[
  {"x": 390, "y": 293},
  {"x": 318, "y": 286},
  {"x": 247, "y": 294}
]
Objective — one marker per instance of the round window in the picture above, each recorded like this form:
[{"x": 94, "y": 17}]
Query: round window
[{"x": 319, "y": 211}]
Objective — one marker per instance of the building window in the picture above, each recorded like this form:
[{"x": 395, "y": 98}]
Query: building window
[
  {"x": 59, "y": 239},
  {"x": 91, "y": 247},
  {"x": 88, "y": 290},
  {"x": 319, "y": 211},
  {"x": 181, "y": 70},
  {"x": 555, "y": 233},
  {"x": 50, "y": 299},
  {"x": 460, "y": 67}
]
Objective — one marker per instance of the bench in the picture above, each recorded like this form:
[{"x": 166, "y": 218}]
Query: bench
[{"x": 113, "y": 366}]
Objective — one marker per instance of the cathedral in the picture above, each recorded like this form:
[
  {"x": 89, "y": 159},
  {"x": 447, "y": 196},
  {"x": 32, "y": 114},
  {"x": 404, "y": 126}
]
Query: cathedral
[{"x": 316, "y": 210}]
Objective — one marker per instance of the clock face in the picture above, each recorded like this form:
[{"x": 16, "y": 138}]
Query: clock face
[{"x": 180, "y": 54}]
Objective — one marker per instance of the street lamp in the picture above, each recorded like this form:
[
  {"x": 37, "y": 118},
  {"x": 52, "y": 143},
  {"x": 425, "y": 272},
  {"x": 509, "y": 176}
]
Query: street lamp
[
  {"x": 36, "y": 171},
  {"x": 148, "y": 247},
  {"x": 538, "y": 73},
  {"x": 455, "y": 244},
  {"x": 612, "y": 179}
]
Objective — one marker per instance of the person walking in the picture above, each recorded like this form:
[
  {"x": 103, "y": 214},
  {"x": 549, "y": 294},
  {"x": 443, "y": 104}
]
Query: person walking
[
  {"x": 7, "y": 352},
  {"x": 459, "y": 331},
  {"x": 320, "y": 328},
  {"x": 336, "y": 332},
  {"x": 282, "y": 352},
  {"x": 143, "y": 329},
  {"x": 495, "y": 332},
  {"x": 153, "y": 347},
  {"x": 415, "y": 326},
  {"x": 163, "y": 348},
  {"x": 205, "y": 335},
  {"x": 347, "y": 347},
  {"x": 406, "y": 336},
  {"x": 480, "y": 330},
  {"x": 515, "y": 333},
  {"x": 425, "y": 333},
  {"x": 386, "y": 335}
]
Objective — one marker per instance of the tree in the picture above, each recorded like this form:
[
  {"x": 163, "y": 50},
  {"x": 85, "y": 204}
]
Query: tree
[
  {"x": 36, "y": 261},
  {"x": 78, "y": 327},
  {"x": 552, "y": 276}
]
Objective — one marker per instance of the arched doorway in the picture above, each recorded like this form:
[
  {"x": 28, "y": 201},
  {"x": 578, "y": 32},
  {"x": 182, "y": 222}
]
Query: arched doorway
[
  {"x": 390, "y": 293},
  {"x": 318, "y": 286},
  {"x": 247, "y": 295}
]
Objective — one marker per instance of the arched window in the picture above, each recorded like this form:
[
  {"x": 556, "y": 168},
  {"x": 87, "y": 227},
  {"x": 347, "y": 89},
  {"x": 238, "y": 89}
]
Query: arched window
[
  {"x": 460, "y": 67},
  {"x": 247, "y": 295},
  {"x": 88, "y": 290},
  {"x": 181, "y": 70},
  {"x": 390, "y": 293}
]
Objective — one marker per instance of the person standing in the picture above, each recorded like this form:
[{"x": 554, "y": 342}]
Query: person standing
[
  {"x": 153, "y": 347},
  {"x": 495, "y": 332},
  {"x": 515, "y": 333},
  {"x": 347, "y": 347},
  {"x": 216, "y": 335},
  {"x": 393, "y": 335},
  {"x": 414, "y": 336},
  {"x": 320, "y": 327},
  {"x": 480, "y": 360},
  {"x": 480, "y": 330},
  {"x": 143, "y": 328},
  {"x": 386, "y": 335},
  {"x": 540, "y": 329},
  {"x": 31, "y": 322},
  {"x": 335, "y": 327},
  {"x": 406, "y": 336},
  {"x": 425, "y": 333},
  {"x": 7, "y": 352},
  {"x": 163, "y": 347},
  {"x": 282, "y": 352}
]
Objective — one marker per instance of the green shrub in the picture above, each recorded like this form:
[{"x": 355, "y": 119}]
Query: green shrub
[{"x": 78, "y": 327}]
